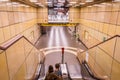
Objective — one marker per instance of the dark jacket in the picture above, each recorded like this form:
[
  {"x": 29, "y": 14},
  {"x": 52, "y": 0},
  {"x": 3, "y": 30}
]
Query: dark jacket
[{"x": 52, "y": 76}]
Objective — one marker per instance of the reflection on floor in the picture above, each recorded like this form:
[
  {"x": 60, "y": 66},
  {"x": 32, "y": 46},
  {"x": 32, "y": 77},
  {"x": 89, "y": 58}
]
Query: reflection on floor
[{"x": 58, "y": 36}]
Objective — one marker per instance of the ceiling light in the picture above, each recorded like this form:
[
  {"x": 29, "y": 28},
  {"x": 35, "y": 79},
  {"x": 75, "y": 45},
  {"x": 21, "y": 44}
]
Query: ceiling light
[
  {"x": 41, "y": 5},
  {"x": 89, "y": 6},
  {"x": 38, "y": 3},
  {"x": 109, "y": 4},
  {"x": 15, "y": 3},
  {"x": 73, "y": 2},
  {"x": 116, "y": 0},
  {"x": 3, "y": 0},
  {"x": 89, "y": 1},
  {"x": 98, "y": 5},
  {"x": 33, "y": 0},
  {"x": 81, "y": 3},
  {"x": 48, "y": 2},
  {"x": 9, "y": 4}
]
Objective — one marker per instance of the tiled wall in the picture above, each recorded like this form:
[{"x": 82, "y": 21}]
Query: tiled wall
[
  {"x": 16, "y": 19},
  {"x": 98, "y": 23},
  {"x": 74, "y": 14},
  {"x": 44, "y": 17},
  {"x": 104, "y": 60},
  {"x": 19, "y": 61}
]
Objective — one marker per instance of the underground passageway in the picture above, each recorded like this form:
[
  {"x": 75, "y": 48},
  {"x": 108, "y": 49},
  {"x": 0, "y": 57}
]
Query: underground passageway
[{"x": 57, "y": 37}]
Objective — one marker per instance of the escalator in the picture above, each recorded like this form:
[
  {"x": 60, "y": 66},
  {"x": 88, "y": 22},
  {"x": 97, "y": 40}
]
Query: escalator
[{"x": 86, "y": 75}]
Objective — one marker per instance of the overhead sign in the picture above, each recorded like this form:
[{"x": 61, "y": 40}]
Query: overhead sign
[{"x": 59, "y": 24}]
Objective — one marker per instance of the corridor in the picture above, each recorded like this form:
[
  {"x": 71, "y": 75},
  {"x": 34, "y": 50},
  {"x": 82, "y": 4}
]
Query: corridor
[{"x": 58, "y": 37}]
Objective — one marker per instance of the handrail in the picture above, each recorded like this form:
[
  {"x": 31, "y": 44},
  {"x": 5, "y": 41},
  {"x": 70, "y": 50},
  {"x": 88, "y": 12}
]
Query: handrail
[
  {"x": 101, "y": 43},
  {"x": 9, "y": 43},
  {"x": 68, "y": 72}
]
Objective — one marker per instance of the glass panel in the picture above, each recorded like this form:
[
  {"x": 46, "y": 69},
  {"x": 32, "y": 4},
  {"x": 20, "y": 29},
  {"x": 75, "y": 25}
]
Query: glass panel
[
  {"x": 115, "y": 71},
  {"x": 22, "y": 59},
  {"x": 21, "y": 73},
  {"x": 15, "y": 57},
  {"x": 117, "y": 50},
  {"x": 104, "y": 61},
  {"x": 108, "y": 46},
  {"x": 3, "y": 67}
]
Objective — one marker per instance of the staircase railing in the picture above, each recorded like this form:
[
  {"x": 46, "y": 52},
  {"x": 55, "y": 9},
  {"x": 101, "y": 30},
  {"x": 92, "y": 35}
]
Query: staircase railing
[
  {"x": 103, "y": 59},
  {"x": 19, "y": 59}
]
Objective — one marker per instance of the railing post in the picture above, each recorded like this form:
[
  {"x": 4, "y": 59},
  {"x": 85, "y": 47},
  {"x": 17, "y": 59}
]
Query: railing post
[{"x": 62, "y": 55}]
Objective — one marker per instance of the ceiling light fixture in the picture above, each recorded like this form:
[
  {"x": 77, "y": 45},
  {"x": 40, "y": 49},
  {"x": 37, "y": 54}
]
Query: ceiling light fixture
[
  {"x": 81, "y": 3},
  {"x": 73, "y": 2},
  {"x": 116, "y": 0},
  {"x": 48, "y": 2},
  {"x": 4, "y": 0},
  {"x": 33, "y": 1},
  {"x": 89, "y": 6},
  {"x": 89, "y": 1}
]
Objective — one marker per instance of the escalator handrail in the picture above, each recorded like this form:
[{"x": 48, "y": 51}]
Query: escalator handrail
[
  {"x": 68, "y": 72},
  {"x": 101, "y": 43},
  {"x": 90, "y": 72},
  {"x": 9, "y": 43}
]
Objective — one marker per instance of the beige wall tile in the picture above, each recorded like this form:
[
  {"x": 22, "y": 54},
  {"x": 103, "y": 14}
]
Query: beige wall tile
[
  {"x": 118, "y": 30},
  {"x": 7, "y": 34},
  {"x": 4, "y": 18},
  {"x": 98, "y": 71},
  {"x": 117, "y": 50},
  {"x": 1, "y": 36},
  {"x": 17, "y": 28},
  {"x": 112, "y": 30},
  {"x": 16, "y": 17},
  {"x": 11, "y": 17},
  {"x": 118, "y": 21},
  {"x": 21, "y": 74},
  {"x": 108, "y": 47},
  {"x": 30, "y": 65},
  {"x": 16, "y": 57},
  {"x": 0, "y": 21},
  {"x": 3, "y": 7},
  {"x": 104, "y": 61},
  {"x": 12, "y": 30},
  {"x": 114, "y": 17},
  {"x": 3, "y": 67},
  {"x": 105, "y": 28},
  {"x": 115, "y": 71},
  {"x": 115, "y": 6},
  {"x": 107, "y": 17},
  {"x": 9, "y": 6}
]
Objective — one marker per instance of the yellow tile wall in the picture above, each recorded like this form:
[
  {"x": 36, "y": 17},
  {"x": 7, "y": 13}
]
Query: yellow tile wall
[
  {"x": 3, "y": 67},
  {"x": 74, "y": 15},
  {"x": 44, "y": 17},
  {"x": 19, "y": 61},
  {"x": 15, "y": 19},
  {"x": 104, "y": 21}
]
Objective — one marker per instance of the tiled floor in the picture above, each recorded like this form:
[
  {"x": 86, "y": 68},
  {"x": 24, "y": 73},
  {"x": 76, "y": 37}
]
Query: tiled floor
[{"x": 58, "y": 36}]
